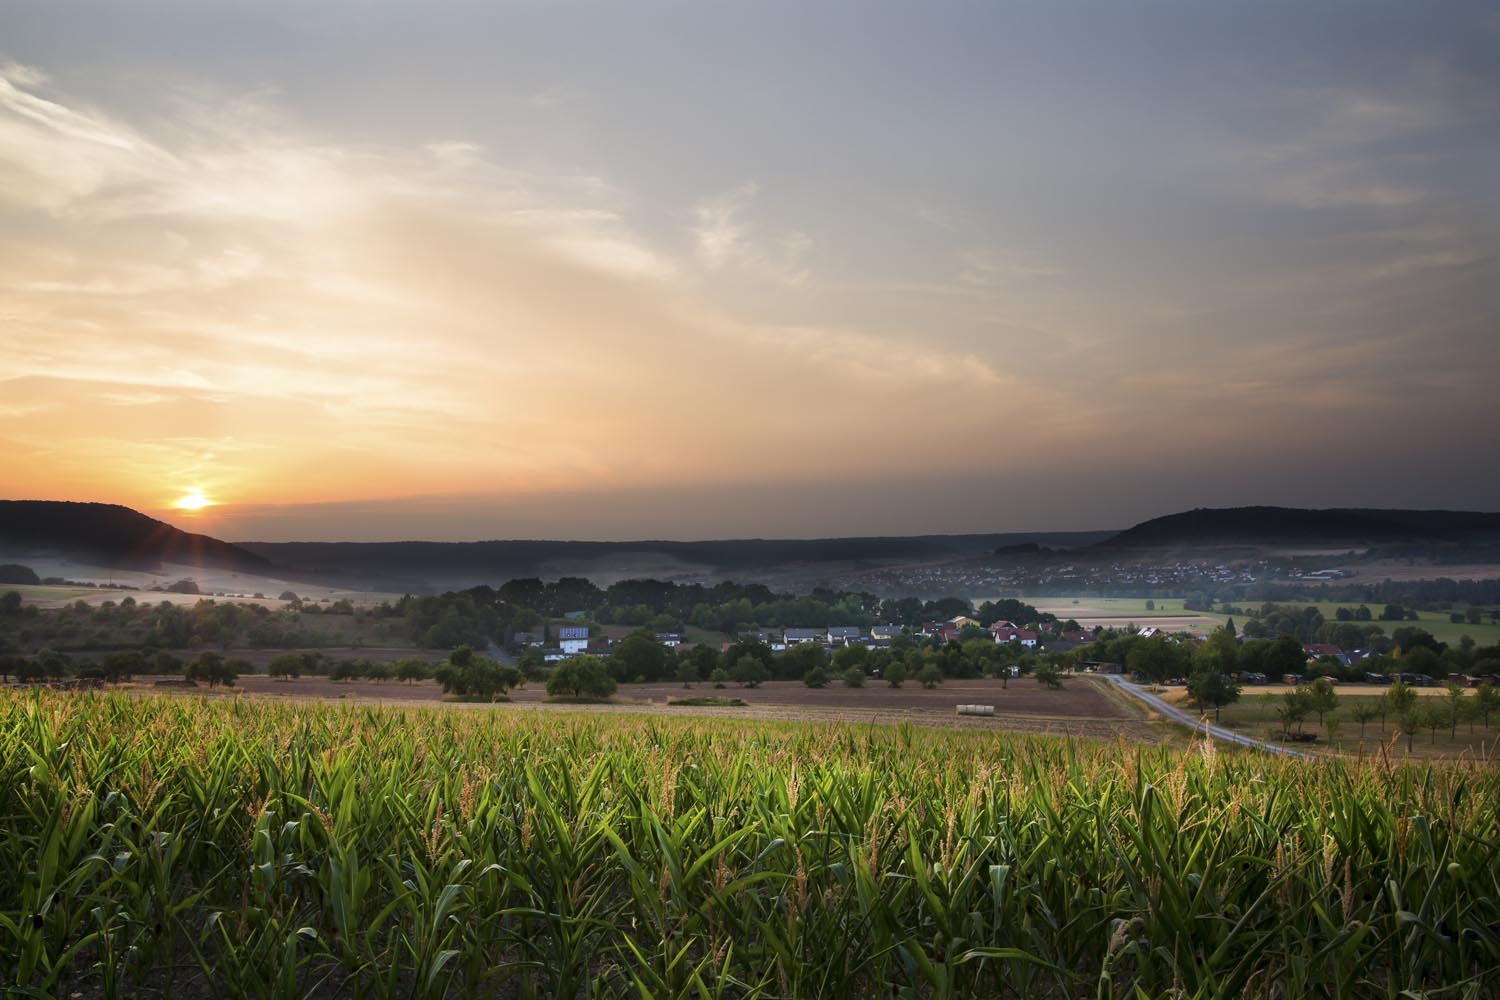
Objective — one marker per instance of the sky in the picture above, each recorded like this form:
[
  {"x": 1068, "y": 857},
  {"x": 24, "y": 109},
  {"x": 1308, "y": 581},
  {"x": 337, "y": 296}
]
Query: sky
[{"x": 660, "y": 270}]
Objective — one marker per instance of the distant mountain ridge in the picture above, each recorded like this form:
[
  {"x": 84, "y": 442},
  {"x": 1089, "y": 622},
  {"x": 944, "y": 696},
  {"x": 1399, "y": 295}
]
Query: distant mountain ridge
[
  {"x": 1207, "y": 526},
  {"x": 112, "y": 535},
  {"x": 501, "y": 559}
]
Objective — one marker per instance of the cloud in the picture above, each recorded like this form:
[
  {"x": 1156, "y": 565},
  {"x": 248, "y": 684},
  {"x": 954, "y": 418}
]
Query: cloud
[
  {"x": 986, "y": 269},
  {"x": 367, "y": 320},
  {"x": 725, "y": 238}
]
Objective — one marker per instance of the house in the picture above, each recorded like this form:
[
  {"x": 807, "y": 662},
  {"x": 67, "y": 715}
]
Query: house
[
  {"x": 1025, "y": 637},
  {"x": 1151, "y": 632},
  {"x": 759, "y": 635},
  {"x": 885, "y": 631},
  {"x": 843, "y": 635},
  {"x": 572, "y": 639},
  {"x": 524, "y": 639},
  {"x": 959, "y": 621},
  {"x": 669, "y": 639},
  {"x": 997, "y": 625},
  {"x": 1313, "y": 650},
  {"x": 796, "y": 636}
]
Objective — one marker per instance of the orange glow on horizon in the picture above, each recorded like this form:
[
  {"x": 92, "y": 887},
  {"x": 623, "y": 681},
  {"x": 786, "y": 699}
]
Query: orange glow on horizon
[{"x": 193, "y": 501}]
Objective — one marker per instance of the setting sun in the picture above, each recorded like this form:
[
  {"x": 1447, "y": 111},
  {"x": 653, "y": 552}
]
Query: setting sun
[{"x": 193, "y": 501}]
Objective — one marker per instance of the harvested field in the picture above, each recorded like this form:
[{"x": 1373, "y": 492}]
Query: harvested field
[{"x": 1082, "y": 708}]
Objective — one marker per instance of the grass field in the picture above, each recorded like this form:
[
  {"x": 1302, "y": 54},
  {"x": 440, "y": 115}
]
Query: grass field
[
  {"x": 1169, "y": 613},
  {"x": 1485, "y": 633},
  {"x": 189, "y": 848}
]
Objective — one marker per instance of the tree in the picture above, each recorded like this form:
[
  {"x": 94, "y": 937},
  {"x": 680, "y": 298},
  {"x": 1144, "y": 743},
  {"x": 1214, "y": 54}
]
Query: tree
[
  {"x": 1432, "y": 715},
  {"x": 719, "y": 677},
  {"x": 1454, "y": 704},
  {"x": 1321, "y": 698},
  {"x": 854, "y": 677},
  {"x": 581, "y": 677},
  {"x": 639, "y": 655},
  {"x": 1292, "y": 708},
  {"x": 121, "y": 666},
  {"x": 285, "y": 666},
  {"x": 411, "y": 670},
  {"x": 1400, "y": 699},
  {"x": 212, "y": 669},
  {"x": 1048, "y": 675},
  {"x": 930, "y": 676},
  {"x": 1409, "y": 723},
  {"x": 1285, "y": 656},
  {"x": 894, "y": 674},
  {"x": 750, "y": 672},
  {"x": 1486, "y": 702},
  {"x": 687, "y": 673},
  {"x": 468, "y": 674},
  {"x": 815, "y": 678},
  {"x": 1364, "y": 710},
  {"x": 1157, "y": 659},
  {"x": 10, "y": 602},
  {"x": 1212, "y": 689}
]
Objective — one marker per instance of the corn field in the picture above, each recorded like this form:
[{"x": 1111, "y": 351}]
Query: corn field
[{"x": 167, "y": 847}]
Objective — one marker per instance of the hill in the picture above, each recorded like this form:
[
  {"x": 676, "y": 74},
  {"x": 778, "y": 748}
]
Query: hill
[
  {"x": 112, "y": 535},
  {"x": 450, "y": 564},
  {"x": 1269, "y": 526}
]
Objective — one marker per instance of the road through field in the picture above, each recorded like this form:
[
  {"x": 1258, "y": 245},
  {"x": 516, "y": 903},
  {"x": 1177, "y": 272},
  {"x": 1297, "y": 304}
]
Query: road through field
[{"x": 1218, "y": 732}]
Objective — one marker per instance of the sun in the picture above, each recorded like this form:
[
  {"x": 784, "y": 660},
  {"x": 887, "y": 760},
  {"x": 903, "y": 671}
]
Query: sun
[{"x": 193, "y": 501}]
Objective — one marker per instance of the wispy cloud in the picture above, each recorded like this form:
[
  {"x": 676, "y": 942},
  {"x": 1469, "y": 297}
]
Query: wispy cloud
[
  {"x": 727, "y": 237},
  {"x": 360, "y": 317}
]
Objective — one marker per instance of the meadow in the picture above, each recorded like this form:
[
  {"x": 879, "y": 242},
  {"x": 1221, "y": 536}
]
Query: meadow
[
  {"x": 1485, "y": 633},
  {"x": 194, "y": 847}
]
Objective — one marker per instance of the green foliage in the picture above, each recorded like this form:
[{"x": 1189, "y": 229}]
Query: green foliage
[
  {"x": 817, "y": 677},
  {"x": 212, "y": 669},
  {"x": 468, "y": 674},
  {"x": 581, "y": 677},
  {"x": 750, "y": 672},
  {"x": 854, "y": 677},
  {"x": 1049, "y": 676},
  {"x": 639, "y": 655},
  {"x": 183, "y": 847},
  {"x": 895, "y": 674},
  {"x": 930, "y": 676}
]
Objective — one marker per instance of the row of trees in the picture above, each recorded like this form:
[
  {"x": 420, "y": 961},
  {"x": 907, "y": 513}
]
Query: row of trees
[{"x": 1400, "y": 702}]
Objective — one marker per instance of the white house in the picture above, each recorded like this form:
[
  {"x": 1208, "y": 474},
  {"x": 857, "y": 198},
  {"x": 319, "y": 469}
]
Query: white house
[
  {"x": 795, "y": 636},
  {"x": 573, "y": 639},
  {"x": 842, "y": 635}
]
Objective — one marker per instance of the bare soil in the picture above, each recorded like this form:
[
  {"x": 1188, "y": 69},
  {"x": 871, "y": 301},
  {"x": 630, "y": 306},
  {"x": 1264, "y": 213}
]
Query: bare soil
[{"x": 1083, "y": 707}]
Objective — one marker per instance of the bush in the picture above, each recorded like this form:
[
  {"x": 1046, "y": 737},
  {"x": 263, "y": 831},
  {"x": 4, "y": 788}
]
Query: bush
[
  {"x": 817, "y": 677},
  {"x": 854, "y": 677},
  {"x": 930, "y": 676}
]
